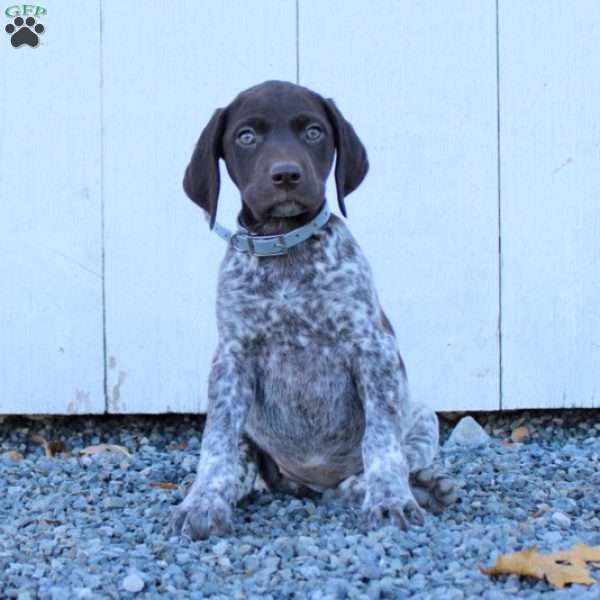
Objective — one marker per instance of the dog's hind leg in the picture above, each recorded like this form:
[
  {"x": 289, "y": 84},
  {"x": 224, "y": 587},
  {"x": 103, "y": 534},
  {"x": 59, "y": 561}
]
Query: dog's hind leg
[
  {"x": 432, "y": 488},
  {"x": 248, "y": 470},
  {"x": 421, "y": 442}
]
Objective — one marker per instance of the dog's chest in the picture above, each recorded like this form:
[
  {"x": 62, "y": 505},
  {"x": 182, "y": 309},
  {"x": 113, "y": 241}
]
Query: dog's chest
[
  {"x": 306, "y": 412},
  {"x": 311, "y": 296},
  {"x": 300, "y": 319}
]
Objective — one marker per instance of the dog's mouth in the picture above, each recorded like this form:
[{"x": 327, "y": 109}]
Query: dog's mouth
[
  {"x": 278, "y": 213},
  {"x": 287, "y": 209}
]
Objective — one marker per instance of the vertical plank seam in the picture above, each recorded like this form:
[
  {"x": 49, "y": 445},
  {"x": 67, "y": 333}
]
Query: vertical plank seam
[
  {"x": 298, "y": 42},
  {"x": 102, "y": 216},
  {"x": 499, "y": 179}
]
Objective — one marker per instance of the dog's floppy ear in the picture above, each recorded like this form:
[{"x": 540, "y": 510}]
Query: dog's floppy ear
[
  {"x": 351, "y": 164},
  {"x": 201, "y": 181}
]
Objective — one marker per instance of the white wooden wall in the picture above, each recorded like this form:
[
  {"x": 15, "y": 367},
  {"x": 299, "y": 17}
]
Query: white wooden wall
[
  {"x": 479, "y": 214},
  {"x": 550, "y": 201},
  {"x": 51, "y": 357}
]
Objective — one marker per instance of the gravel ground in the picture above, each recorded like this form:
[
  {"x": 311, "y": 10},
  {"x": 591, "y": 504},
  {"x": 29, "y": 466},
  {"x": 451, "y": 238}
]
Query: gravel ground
[{"x": 77, "y": 526}]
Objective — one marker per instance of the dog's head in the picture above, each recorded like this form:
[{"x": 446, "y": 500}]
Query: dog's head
[{"x": 278, "y": 142}]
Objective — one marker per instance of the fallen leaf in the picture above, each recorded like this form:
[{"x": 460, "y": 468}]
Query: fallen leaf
[
  {"x": 14, "y": 455},
  {"x": 558, "y": 568},
  {"x": 52, "y": 521},
  {"x": 520, "y": 434},
  {"x": 38, "y": 439},
  {"x": 51, "y": 449},
  {"x": 579, "y": 552},
  {"x": 56, "y": 447},
  {"x": 163, "y": 485},
  {"x": 177, "y": 446},
  {"x": 101, "y": 448}
]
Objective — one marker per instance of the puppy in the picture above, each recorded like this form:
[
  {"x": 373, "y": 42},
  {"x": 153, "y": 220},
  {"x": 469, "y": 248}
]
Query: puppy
[{"x": 307, "y": 387}]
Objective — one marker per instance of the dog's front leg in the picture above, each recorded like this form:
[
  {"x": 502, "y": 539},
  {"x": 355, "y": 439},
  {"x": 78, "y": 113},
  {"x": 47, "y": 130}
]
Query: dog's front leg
[
  {"x": 207, "y": 508},
  {"x": 383, "y": 389}
]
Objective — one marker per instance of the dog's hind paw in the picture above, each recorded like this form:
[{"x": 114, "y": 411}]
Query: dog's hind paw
[
  {"x": 201, "y": 516},
  {"x": 433, "y": 490}
]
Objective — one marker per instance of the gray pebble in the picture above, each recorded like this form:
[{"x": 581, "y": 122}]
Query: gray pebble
[
  {"x": 561, "y": 519},
  {"x": 468, "y": 433},
  {"x": 78, "y": 528},
  {"x": 193, "y": 443},
  {"x": 133, "y": 583},
  {"x": 220, "y": 548},
  {"x": 189, "y": 463}
]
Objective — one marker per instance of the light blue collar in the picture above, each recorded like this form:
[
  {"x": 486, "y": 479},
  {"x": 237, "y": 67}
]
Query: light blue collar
[{"x": 272, "y": 245}]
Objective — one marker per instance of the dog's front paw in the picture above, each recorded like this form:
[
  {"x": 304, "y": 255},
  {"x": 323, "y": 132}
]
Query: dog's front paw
[
  {"x": 397, "y": 510},
  {"x": 201, "y": 515}
]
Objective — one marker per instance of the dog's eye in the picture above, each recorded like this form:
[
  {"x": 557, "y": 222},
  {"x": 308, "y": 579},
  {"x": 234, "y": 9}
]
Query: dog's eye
[
  {"x": 246, "y": 137},
  {"x": 313, "y": 133}
]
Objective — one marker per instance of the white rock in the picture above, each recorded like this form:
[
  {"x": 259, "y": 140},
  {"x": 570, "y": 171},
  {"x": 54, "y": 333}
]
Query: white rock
[
  {"x": 561, "y": 519},
  {"x": 189, "y": 463},
  {"x": 468, "y": 432},
  {"x": 220, "y": 548},
  {"x": 133, "y": 583}
]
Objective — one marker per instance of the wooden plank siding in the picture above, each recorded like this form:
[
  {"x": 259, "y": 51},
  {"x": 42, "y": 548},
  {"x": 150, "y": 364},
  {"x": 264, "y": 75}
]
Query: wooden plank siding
[
  {"x": 51, "y": 356},
  {"x": 479, "y": 214},
  {"x": 418, "y": 82},
  {"x": 183, "y": 60},
  {"x": 550, "y": 149}
]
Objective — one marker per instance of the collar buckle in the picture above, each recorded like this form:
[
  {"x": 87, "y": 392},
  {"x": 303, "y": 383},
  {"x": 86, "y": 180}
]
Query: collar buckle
[
  {"x": 272, "y": 245},
  {"x": 278, "y": 248}
]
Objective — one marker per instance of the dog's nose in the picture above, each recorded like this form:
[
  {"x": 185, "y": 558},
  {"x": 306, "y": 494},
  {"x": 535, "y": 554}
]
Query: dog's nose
[{"x": 286, "y": 174}]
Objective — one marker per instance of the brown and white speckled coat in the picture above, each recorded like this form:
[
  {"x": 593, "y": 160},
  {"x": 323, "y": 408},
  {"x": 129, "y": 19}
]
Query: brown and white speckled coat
[{"x": 307, "y": 384}]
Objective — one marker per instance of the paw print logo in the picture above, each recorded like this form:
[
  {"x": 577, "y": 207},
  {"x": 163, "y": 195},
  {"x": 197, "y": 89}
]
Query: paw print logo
[{"x": 24, "y": 32}]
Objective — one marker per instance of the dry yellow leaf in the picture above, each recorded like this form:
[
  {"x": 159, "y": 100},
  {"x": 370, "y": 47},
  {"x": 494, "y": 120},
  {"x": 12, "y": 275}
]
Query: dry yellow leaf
[
  {"x": 177, "y": 446},
  {"x": 14, "y": 455},
  {"x": 579, "y": 552},
  {"x": 558, "y": 568},
  {"x": 163, "y": 485},
  {"x": 51, "y": 449},
  {"x": 520, "y": 434},
  {"x": 100, "y": 448}
]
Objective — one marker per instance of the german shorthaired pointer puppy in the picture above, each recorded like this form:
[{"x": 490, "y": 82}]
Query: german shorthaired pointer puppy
[{"x": 307, "y": 386}]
